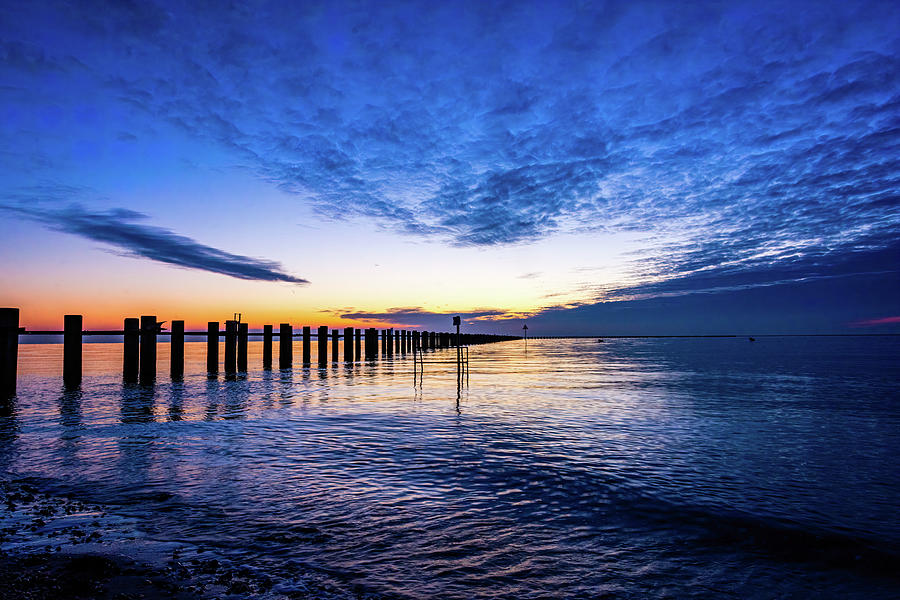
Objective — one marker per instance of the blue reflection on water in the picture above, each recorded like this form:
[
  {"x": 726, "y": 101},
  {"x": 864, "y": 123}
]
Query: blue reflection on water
[{"x": 636, "y": 468}]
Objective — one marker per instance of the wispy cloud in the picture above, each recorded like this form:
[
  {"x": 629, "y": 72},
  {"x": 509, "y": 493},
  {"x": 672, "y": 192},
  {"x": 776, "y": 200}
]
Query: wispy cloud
[
  {"x": 745, "y": 139},
  {"x": 876, "y": 322},
  {"x": 121, "y": 230},
  {"x": 419, "y": 317}
]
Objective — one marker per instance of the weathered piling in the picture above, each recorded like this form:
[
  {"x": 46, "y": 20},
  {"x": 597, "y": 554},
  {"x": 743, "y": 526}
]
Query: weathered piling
[
  {"x": 9, "y": 350},
  {"x": 72, "y": 327},
  {"x": 230, "y": 347},
  {"x": 335, "y": 334},
  {"x": 267, "y": 347},
  {"x": 131, "y": 350},
  {"x": 397, "y": 337},
  {"x": 432, "y": 343},
  {"x": 424, "y": 340},
  {"x": 371, "y": 343},
  {"x": 323, "y": 345},
  {"x": 307, "y": 345},
  {"x": 285, "y": 346},
  {"x": 212, "y": 347},
  {"x": 358, "y": 345},
  {"x": 348, "y": 344},
  {"x": 149, "y": 328},
  {"x": 389, "y": 342},
  {"x": 415, "y": 340},
  {"x": 243, "y": 341},
  {"x": 176, "y": 350}
]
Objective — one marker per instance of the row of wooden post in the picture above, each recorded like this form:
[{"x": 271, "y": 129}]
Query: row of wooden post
[{"x": 140, "y": 338}]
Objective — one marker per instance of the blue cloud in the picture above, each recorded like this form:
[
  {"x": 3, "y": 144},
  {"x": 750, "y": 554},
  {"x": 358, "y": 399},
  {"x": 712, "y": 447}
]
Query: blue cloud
[
  {"x": 118, "y": 229},
  {"x": 749, "y": 141}
]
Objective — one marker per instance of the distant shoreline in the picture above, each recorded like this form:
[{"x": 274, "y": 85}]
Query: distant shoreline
[{"x": 89, "y": 338}]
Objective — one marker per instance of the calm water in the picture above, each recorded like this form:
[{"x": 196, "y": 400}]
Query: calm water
[{"x": 632, "y": 468}]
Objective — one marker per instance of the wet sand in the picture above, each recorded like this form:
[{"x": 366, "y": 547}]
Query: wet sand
[{"x": 57, "y": 547}]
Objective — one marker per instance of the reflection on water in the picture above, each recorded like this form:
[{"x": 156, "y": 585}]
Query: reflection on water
[{"x": 635, "y": 468}]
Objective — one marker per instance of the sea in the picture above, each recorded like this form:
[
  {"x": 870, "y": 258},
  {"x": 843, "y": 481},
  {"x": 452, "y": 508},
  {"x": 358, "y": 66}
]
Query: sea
[{"x": 549, "y": 468}]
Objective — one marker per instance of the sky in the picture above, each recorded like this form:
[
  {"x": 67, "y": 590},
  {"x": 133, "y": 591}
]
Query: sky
[{"x": 596, "y": 168}]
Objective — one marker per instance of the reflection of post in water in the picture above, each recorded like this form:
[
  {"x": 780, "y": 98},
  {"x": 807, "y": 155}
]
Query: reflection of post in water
[
  {"x": 137, "y": 404},
  {"x": 176, "y": 401},
  {"x": 70, "y": 407},
  {"x": 418, "y": 362},
  {"x": 212, "y": 398}
]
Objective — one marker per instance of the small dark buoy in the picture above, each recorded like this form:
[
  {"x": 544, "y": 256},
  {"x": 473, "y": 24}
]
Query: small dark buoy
[
  {"x": 600, "y": 340},
  {"x": 752, "y": 339}
]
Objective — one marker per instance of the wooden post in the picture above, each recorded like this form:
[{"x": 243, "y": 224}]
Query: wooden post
[
  {"x": 415, "y": 341},
  {"x": 72, "y": 326},
  {"x": 267, "y": 347},
  {"x": 285, "y": 346},
  {"x": 9, "y": 351},
  {"x": 424, "y": 340},
  {"x": 230, "y": 347},
  {"x": 335, "y": 334},
  {"x": 348, "y": 344},
  {"x": 307, "y": 346},
  {"x": 176, "y": 350},
  {"x": 371, "y": 343},
  {"x": 148, "y": 349},
  {"x": 131, "y": 350},
  {"x": 397, "y": 341},
  {"x": 384, "y": 342},
  {"x": 358, "y": 345},
  {"x": 212, "y": 347},
  {"x": 323, "y": 345},
  {"x": 243, "y": 341}
]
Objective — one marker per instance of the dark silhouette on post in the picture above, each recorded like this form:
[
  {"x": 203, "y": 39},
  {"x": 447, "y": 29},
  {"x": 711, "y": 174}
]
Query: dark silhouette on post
[
  {"x": 348, "y": 344},
  {"x": 335, "y": 334},
  {"x": 149, "y": 328},
  {"x": 131, "y": 349},
  {"x": 230, "y": 347},
  {"x": 72, "y": 326},
  {"x": 371, "y": 343},
  {"x": 176, "y": 350},
  {"x": 243, "y": 340},
  {"x": 307, "y": 344},
  {"x": 457, "y": 321},
  {"x": 9, "y": 351},
  {"x": 323, "y": 345},
  {"x": 212, "y": 347},
  {"x": 267, "y": 347},
  {"x": 285, "y": 346}
]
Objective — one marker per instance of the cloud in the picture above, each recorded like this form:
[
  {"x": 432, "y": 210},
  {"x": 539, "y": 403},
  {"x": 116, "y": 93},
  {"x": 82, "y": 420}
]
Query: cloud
[
  {"x": 421, "y": 318},
  {"x": 119, "y": 228},
  {"x": 746, "y": 140},
  {"x": 875, "y": 322}
]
